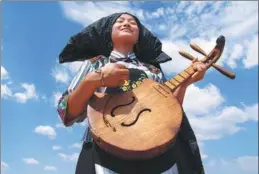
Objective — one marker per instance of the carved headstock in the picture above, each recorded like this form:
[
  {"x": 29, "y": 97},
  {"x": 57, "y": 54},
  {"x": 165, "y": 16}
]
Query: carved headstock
[{"x": 212, "y": 57}]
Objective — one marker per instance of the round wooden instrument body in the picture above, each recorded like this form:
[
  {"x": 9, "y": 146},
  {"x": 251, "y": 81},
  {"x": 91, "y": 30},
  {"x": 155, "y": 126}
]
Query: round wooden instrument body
[{"x": 139, "y": 124}]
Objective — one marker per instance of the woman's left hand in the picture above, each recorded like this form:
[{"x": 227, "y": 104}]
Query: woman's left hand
[{"x": 200, "y": 69}]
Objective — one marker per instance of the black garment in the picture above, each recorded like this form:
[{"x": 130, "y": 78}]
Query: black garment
[
  {"x": 95, "y": 40},
  {"x": 185, "y": 153}
]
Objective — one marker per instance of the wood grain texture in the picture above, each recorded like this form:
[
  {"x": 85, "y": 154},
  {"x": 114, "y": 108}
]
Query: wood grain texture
[{"x": 152, "y": 133}]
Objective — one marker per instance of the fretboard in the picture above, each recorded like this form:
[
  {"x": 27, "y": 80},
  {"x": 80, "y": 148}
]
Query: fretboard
[{"x": 177, "y": 80}]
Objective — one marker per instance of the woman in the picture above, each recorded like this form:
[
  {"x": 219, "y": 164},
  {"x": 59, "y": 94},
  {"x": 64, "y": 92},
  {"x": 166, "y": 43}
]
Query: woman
[{"x": 121, "y": 71}]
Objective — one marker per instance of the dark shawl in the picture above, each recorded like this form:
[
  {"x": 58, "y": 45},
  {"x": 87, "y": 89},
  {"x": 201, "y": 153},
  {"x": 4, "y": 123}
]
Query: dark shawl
[{"x": 95, "y": 40}]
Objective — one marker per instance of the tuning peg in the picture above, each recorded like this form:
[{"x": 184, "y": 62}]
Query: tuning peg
[
  {"x": 186, "y": 55},
  {"x": 223, "y": 71},
  {"x": 198, "y": 49},
  {"x": 217, "y": 67}
]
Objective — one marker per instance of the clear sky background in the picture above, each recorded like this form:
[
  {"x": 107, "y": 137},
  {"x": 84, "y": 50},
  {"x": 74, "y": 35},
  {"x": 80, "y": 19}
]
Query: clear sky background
[{"x": 222, "y": 112}]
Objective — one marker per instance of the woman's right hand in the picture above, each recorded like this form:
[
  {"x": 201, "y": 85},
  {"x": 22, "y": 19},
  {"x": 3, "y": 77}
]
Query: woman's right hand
[{"x": 114, "y": 75}]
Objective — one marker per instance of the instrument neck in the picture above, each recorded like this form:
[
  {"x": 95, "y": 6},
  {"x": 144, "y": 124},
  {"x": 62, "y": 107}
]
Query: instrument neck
[{"x": 181, "y": 77}]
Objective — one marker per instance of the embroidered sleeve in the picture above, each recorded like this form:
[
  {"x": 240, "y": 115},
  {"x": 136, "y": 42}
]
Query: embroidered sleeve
[{"x": 63, "y": 101}]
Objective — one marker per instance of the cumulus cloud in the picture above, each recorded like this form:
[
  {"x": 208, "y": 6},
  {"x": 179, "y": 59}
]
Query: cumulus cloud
[
  {"x": 29, "y": 93},
  {"x": 4, "y": 166},
  {"x": 72, "y": 157},
  {"x": 77, "y": 145},
  {"x": 30, "y": 161},
  {"x": 238, "y": 165},
  {"x": 6, "y": 91},
  {"x": 60, "y": 125},
  {"x": 20, "y": 97},
  {"x": 50, "y": 168},
  {"x": 224, "y": 122},
  {"x": 56, "y": 147},
  {"x": 62, "y": 73},
  {"x": 61, "y": 77},
  {"x": 236, "y": 54},
  {"x": 88, "y": 12},
  {"x": 4, "y": 73},
  {"x": 251, "y": 58},
  {"x": 209, "y": 98},
  {"x": 46, "y": 130},
  {"x": 56, "y": 97}
]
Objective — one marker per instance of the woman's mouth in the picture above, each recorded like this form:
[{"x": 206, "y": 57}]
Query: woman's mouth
[{"x": 127, "y": 30}]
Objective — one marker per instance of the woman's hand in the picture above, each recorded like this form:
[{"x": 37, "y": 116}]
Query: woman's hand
[
  {"x": 200, "y": 69},
  {"x": 113, "y": 75}
]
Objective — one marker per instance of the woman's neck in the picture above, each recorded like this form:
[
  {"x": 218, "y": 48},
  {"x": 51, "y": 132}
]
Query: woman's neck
[{"x": 123, "y": 48}]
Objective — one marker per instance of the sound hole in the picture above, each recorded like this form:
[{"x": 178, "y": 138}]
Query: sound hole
[
  {"x": 130, "y": 124},
  {"x": 113, "y": 110}
]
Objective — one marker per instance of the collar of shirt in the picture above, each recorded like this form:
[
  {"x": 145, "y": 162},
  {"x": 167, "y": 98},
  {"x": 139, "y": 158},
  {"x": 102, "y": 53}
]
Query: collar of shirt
[{"x": 117, "y": 56}]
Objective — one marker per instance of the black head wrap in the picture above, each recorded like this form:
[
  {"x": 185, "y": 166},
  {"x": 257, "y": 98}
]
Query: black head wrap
[{"x": 96, "y": 40}]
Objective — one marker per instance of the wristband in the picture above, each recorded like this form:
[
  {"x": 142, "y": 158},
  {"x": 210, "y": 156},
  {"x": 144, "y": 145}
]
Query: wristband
[{"x": 100, "y": 71}]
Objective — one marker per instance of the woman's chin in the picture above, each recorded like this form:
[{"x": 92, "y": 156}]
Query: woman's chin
[{"x": 127, "y": 36}]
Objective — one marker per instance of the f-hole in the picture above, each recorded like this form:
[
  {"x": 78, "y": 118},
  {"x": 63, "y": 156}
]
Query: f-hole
[
  {"x": 130, "y": 124},
  {"x": 113, "y": 110}
]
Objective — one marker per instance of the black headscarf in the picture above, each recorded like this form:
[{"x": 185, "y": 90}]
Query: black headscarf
[{"x": 96, "y": 40}]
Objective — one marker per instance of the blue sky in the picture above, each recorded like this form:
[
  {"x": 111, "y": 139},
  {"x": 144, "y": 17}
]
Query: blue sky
[{"x": 222, "y": 112}]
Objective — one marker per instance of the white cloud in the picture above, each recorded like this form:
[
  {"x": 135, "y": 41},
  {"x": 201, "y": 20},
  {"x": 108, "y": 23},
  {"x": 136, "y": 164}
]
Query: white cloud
[
  {"x": 62, "y": 73},
  {"x": 204, "y": 156},
  {"x": 210, "y": 119},
  {"x": 50, "y": 168},
  {"x": 248, "y": 163},
  {"x": 4, "y": 166},
  {"x": 172, "y": 49},
  {"x": 31, "y": 161},
  {"x": 240, "y": 29},
  {"x": 60, "y": 125},
  {"x": 46, "y": 130},
  {"x": 241, "y": 19},
  {"x": 201, "y": 101},
  {"x": 155, "y": 15},
  {"x": 56, "y": 97},
  {"x": 224, "y": 122},
  {"x": 4, "y": 73},
  {"x": 196, "y": 7},
  {"x": 251, "y": 59},
  {"x": 236, "y": 55},
  {"x": 239, "y": 165},
  {"x": 88, "y": 12},
  {"x": 72, "y": 157},
  {"x": 30, "y": 93},
  {"x": 5, "y": 91},
  {"x": 77, "y": 145},
  {"x": 61, "y": 77},
  {"x": 56, "y": 147},
  {"x": 162, "y": 27},
  {"x": 73, "y": 67},
  {"x": 21, "y": 97}
]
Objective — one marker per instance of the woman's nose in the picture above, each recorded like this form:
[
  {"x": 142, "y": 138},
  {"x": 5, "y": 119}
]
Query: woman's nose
[{"x": 125, "y": 24}]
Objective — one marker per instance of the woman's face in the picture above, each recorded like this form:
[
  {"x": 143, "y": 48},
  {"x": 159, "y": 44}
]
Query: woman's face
[{"x": 125, "y": 28}]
